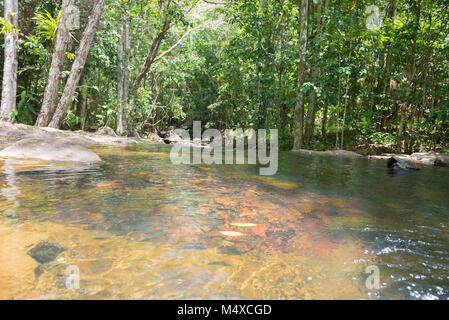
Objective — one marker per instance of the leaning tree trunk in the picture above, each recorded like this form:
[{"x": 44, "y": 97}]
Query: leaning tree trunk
[
  {"x": 57, "y": 63},
  {"x": 150, "y": 59},
  {"x": 299, "y": 105},
  {"x": 78, "y": 64},
  {"x": 9, "y": 87}
]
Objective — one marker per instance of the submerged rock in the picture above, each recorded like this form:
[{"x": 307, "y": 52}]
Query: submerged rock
[
  {"x": 50, "y": 149},
  {"x": 45, "y": 252},
  {"x": 219, "y": 263},
  {"x": 398, "y": 163}
]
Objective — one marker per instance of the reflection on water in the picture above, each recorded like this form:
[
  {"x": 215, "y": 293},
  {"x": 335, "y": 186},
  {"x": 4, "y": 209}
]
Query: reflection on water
[{"x": 139, "y": 227}]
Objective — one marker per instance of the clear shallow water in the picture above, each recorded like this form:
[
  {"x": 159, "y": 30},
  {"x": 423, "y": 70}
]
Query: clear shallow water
[{"x": 139, "y": 227}]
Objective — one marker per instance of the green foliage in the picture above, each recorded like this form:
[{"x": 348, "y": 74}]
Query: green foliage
[
  {"x": 46, "y": 24},
  {"x": 5, "y": 26},
  {"x": 25, "y": 112},
  {"x": 381, "y": 138},
  {"x": 440, "y": 114},
  {"x": 240, "y": 68},
  {"x": 71, "y": 119}
]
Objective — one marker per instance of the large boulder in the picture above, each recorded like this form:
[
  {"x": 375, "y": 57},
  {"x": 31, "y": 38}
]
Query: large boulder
[
  {"x": 51, "y": 149},
  {"x": 437, "y": 159},
  {"x": 442, "y": 161}
]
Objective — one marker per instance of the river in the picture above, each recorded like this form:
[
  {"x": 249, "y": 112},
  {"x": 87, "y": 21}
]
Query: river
[{"x": 138, "y": 227}]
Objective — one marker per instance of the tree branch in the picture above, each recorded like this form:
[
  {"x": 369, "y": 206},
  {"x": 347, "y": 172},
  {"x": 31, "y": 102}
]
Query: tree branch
[
  {"x": 213, "y": 2},
  {"x": 176, "y": 44}
]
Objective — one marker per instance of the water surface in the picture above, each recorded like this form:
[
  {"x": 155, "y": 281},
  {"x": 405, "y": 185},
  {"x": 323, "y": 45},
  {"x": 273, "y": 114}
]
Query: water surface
[{"x": 139, "y": 227}]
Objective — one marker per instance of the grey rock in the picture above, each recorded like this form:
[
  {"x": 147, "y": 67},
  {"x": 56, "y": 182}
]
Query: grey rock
[
  {"x": 51, "y": 149},
  {"x": 106, "y": 131},
  {"x": 154, "y": 137},
  {"x": 437, "y": 159},
  {"x": 337, "y": 153},
  {"x": 401, "y": 164},
  {"x": 173, "y": 137},
  {"x": 442, "y": 161}
]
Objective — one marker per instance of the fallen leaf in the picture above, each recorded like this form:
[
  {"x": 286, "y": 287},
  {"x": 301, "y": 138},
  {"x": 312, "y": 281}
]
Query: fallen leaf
[
  {"x": 231, "y": 233},
  {"x": 62, "y": 260},
  {"x": 243, "y": 225}
]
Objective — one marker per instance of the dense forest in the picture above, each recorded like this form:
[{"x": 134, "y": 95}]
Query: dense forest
[{"x": 344, "y": 74}]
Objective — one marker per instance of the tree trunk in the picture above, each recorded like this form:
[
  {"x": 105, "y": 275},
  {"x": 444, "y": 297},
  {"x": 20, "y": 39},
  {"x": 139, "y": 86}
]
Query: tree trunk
[
  {"x": 82, "y": 104},
  {"x": 78, "y": 64},
  {"x": 311, "y": 111},
  {"x": 337, "y": 116},
  {"x": 346, "y": 98},
  {"x": 123, "y": 76},
  {"x": 324, "y": 122},
  {"x": 412, "y": 82},
  {"x": 401, "y": 128},
  {"x": 9, "y": 87},
  {"x": 385, "y": 83},
  {"x": 57, "y": 63},
  {"x": 299, "y": 105}
]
